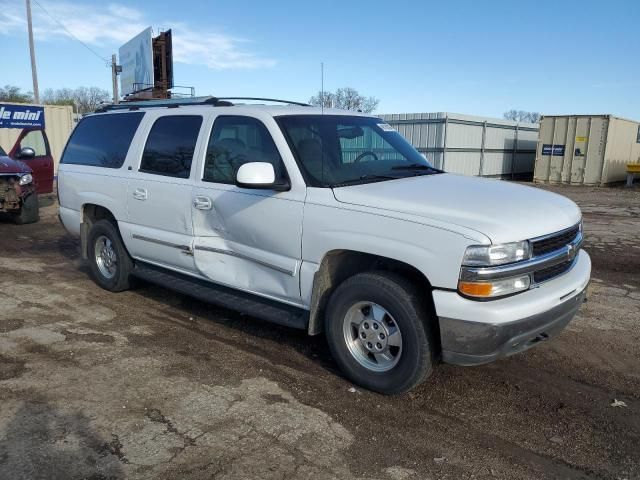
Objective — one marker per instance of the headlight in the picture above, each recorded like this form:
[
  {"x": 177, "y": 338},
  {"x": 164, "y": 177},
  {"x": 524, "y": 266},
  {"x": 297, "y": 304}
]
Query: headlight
[
  {"x": 495, "y": 288},
  {"x": 480, "y": 257},
  {"x": 25, "y": 179},
  {"x": 490, "y": 255}
]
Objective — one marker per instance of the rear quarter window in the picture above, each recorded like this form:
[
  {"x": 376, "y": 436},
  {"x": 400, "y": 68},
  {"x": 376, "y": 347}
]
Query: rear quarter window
[{"x": 102, "y": 140}]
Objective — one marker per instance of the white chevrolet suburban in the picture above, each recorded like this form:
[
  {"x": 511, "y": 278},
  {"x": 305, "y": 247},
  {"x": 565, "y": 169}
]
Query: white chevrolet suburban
[{"x": 323, "y": 220}]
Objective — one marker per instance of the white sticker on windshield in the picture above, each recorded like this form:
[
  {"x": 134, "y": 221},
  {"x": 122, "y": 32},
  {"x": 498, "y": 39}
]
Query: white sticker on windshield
[{"x": 386, "y": 127}]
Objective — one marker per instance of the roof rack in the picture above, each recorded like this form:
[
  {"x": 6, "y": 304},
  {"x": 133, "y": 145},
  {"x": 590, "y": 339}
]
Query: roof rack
[
  {"x": 288, "y": 102},
  {"x": 174, "y": 103}
]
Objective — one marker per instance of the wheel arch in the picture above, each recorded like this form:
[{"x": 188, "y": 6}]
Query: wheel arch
[
  {"x": 91, "y": 213},
  {"x": 338, "y": 265}
]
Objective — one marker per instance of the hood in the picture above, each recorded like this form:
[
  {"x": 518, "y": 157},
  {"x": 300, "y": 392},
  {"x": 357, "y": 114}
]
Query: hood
[
  {"x": 503, "y": 211},
  {"x": 8, "y": 165}
]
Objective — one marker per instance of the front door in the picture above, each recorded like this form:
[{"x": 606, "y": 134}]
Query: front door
[
  {"x": 249, "y": 239},
  {"x": 159, "y": 192},
  {"x": 42, "y": 163}
]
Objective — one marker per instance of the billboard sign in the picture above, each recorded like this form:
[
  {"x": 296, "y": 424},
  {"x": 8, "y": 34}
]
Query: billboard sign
[
  {"x": 136, "y": 59},
  {"x": 21, "y": 116}
]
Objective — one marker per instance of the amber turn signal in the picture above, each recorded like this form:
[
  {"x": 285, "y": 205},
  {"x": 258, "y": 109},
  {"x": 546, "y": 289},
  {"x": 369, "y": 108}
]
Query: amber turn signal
[{"x": 475, "y": 289}]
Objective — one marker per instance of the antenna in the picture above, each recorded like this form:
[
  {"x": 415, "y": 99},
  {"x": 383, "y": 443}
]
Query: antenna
[{"x": 322, "y": 86}]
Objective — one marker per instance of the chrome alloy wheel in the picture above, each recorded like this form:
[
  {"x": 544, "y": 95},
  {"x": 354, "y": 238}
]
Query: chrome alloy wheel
[
  {"x": 106, "y": 257},
  {"x": 372, "y": 336}
]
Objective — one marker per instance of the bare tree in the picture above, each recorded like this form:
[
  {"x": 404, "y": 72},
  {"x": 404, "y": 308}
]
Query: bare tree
[
  {"x": 83, "y": 99},
  {"x": 534, "y": 117},
  {"x": 61, "y": 96},
  {"x": 511, "y": 115},
  {"x": 323, "y": 99},
  {"x": 522, "y": 116},
  {"x": 11, "y": 93},
  {"x": 347, "y": 99},
  {"x": 89, "y": 98}
]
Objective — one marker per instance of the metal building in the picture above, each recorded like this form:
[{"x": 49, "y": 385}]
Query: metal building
[
  {"x": 470, "y": 145},
  {"x": 59, "y": 122},
  {"x": 586, "y": 149}
]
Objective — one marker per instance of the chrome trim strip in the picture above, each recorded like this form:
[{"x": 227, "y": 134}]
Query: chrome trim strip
[
  {"x": 566, "y": 253},
  {"x": 555, "y": 234},
  {"x": 246, "y": 257},
  {"x": 184, "y": 248}
]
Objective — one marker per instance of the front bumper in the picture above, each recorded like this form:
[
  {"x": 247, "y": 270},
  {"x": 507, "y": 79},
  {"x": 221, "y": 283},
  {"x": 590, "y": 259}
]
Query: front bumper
[{"x": 474, "y": 333}]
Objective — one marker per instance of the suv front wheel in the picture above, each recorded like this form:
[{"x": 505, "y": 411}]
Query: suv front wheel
[
  {"x": 109, "y": 260},
  {"x": 379, "y": 333}
]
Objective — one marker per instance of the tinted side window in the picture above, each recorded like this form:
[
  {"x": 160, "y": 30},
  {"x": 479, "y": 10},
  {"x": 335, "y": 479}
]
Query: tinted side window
[
  {"x": 171, "y": 145},
  {"x": 102, "y": 140},
  {"x": 235, "y": 141}
]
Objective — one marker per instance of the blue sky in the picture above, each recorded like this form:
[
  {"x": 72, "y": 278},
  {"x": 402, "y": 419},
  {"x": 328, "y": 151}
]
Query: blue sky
[{"x": 474, "y": 57}]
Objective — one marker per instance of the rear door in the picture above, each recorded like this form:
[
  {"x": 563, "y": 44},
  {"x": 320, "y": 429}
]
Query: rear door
[
  {"x": 42, "y": 163},
  {"x": 159, "y": 191}
]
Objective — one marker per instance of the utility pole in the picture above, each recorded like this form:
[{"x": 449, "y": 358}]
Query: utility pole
[
  {"x": 34, "y": 73},
  {"x": 115, "y": 69}
]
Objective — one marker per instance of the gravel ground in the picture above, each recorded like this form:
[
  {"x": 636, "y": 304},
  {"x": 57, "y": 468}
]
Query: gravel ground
[{"x": 152, "y": 384}]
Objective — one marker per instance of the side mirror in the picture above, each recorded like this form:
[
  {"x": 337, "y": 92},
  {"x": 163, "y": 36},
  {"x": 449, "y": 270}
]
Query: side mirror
[
  {"x": 26, "y": 153},
  {"x": 259, "y": 175}
]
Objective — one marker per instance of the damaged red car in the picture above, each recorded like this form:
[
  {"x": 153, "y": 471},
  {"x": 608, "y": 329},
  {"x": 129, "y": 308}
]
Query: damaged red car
[{"x": 18, "y": 189}]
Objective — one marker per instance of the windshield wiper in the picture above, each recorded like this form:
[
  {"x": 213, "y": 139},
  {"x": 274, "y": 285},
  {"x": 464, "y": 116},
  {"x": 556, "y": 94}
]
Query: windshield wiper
[
  {"x": 364, "y": 178},
  {"x": 416, "y": 166}
]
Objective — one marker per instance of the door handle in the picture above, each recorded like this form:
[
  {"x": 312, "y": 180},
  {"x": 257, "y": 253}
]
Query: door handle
[
  {"x": 202, "y": 203},
  {"x": 140, "y": 194}
]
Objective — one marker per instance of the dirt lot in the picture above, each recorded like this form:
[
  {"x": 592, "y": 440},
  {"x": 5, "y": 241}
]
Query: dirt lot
[{"x": 152, "y": 384}]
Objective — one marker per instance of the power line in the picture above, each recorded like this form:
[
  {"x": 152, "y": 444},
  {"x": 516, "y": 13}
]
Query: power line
[{"x": 104, "y": 59}]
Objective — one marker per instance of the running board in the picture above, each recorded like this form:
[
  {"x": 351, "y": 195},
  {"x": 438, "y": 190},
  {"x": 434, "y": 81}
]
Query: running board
[{"x": 247, "y": 303}]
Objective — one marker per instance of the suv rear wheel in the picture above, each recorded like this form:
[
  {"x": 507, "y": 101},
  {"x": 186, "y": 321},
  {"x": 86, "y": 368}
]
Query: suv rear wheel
[
  {"x": 109, "y": 260},
  {"x": 379, "y": 333}
]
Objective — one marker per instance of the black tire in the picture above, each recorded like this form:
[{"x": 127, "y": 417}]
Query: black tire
[
  {"x": 403, "y": 303},
  {"x": 119, "y": 281},
  {"x": 30, "y": 211}
]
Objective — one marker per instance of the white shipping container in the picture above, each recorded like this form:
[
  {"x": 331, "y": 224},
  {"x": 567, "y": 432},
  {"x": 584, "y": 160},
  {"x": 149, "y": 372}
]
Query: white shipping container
[
  {"x": 58, "y": 124},
  {"x": 470, "y": 145},
  {"x": 586, "y": 149}
]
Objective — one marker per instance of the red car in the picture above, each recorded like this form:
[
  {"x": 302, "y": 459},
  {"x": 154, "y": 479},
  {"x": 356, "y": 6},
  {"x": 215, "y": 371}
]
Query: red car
[{"x": 24, "y": 173}]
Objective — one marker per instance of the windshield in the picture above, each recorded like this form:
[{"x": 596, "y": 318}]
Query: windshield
[{"x": 339, "y": 150}]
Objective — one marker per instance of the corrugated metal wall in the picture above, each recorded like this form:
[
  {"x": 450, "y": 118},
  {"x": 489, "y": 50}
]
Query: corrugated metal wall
[
  {"x": 58, "y": 123},
  {"x": 470, "y": 145}
]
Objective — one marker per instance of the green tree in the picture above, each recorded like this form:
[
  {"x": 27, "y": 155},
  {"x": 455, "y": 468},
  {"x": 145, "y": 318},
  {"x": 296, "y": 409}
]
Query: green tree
[{"x": 11, "y": 93}]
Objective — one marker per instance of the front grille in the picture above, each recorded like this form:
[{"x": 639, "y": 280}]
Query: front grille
[
  {"x": 554, "y": 242},
  {"x": 550, "y": 272}
]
